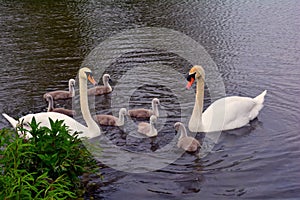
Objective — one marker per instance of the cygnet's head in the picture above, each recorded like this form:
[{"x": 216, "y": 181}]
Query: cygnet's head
[
  {"x": 72, "y": 82},
  {"x": 48, "y": 97},
  {"x": 106, "y": 78},
  {"x": 155, "y": 101},
  {"x": 177, "y": 125},
  {"x": 123, "y": 111}
]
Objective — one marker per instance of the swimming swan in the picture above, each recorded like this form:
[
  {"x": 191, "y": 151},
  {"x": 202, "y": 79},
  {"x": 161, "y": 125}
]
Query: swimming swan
[
  {"x": 185, "y": 142},
  {"x": 92, "y": 129},
  {"x": 145, "y": 113},
  {"x": 224, "y": 114},
  {"x": 148, "y": 129},
  {"x": 101, "y": 89},
  {"x": 51, "y": 108},
  {"x": 110, "y": 120},
  {"x": 61, "y": 94}
]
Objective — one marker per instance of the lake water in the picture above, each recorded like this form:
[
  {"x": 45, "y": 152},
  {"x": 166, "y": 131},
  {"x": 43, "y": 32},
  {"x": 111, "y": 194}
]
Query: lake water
[{"x": 254, "y": 45}]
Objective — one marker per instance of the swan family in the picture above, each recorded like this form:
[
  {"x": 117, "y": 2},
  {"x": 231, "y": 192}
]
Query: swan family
[
  {"x": 236, "y": 111},
  {"x": 91, "y": 130}
]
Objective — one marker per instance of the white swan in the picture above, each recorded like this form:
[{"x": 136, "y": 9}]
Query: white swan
[
  {"x": 186, "y": 142},
  {"x": 110, "y": 120},
  {"x": 101, "y": 89},
  {"x": 148, "y": 129},
  {"x": 61, "y": 94},
  {"x": 92, "y": 129},
  {"x": 145, "y": 113},
  {"x": 224, "y": 114},
  {"x": 51, "y": 108}
]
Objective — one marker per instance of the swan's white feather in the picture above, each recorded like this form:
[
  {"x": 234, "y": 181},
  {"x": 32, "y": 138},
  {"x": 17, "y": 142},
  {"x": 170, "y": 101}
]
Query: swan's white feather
[
  {"x": 231, "y": 112},
  {"x": 11, "y": 120},
  {"x": 43, "y": 119}
]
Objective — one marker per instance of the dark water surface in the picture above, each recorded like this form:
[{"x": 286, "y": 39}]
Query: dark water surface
[{"x": 255, "y": 45}]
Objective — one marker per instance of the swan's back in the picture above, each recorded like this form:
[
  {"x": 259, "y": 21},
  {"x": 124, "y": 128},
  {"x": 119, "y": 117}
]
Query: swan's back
[
  {"x": 59, "y": 94},
  {"x": 99, "y": 90},
  {"x": 144, "y": 128},
  {"x": 64, "y": 111},
  {"x": 106, "y": 120},
  {"x": 43, "y": 119},
  {"x": 188, "y": 144},
  {"x": 62, "y": 94},
  {"x": 231, "y": 112},
  {"x": 140, "y": 113}
]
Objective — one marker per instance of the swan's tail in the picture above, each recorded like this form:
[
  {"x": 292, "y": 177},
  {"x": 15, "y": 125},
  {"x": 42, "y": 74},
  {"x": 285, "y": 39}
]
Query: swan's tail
[
  {"x": 259, "y": 100},
  {"x": 11, "y": 120}
]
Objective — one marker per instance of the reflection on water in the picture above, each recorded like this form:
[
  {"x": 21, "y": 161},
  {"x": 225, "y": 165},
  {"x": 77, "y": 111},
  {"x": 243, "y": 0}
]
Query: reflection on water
[{"x": 254, "y": 44}]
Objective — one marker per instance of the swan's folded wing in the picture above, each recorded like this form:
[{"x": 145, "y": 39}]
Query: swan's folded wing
[{"x": 228, "y": 113}]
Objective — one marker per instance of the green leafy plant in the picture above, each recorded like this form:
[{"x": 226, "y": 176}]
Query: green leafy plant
[{"x": 46, "y": 166}]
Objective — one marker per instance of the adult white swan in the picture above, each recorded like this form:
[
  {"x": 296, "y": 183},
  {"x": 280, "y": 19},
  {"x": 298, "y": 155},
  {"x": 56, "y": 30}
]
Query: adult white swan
[
  {"x": 224, "y": 114},
  {"x": 92, "y": 129}
]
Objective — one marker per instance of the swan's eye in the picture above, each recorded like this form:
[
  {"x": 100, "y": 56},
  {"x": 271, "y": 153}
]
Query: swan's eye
[
  {"x": 190, "y": 76},
  {"x": 88, "y": 74}
]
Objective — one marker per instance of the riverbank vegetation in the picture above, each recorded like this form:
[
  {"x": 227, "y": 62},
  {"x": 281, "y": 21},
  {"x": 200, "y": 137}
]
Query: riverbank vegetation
[{"x": 46, "y": 166}]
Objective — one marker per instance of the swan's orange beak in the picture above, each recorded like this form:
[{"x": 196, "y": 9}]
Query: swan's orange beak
[
  {"x": 91, "y": 79},
  {"x": 190, "y": 83},
  {"x": 190, "y": 79}
]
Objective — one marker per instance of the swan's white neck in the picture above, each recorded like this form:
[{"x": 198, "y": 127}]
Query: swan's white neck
[
  {"x": 71, "y": 89},
  {"x": 105, "y": 81},
  {"x": 195, "y": 123},
  {"x": 152, "y": 129},
  {"x": 182, "y": 132},
  {"x": 155, "y": 109},
  {"x": 93, "y": 128},
  {"x": 50, "y": 103},
  {"x": 121, "y": 119}
]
